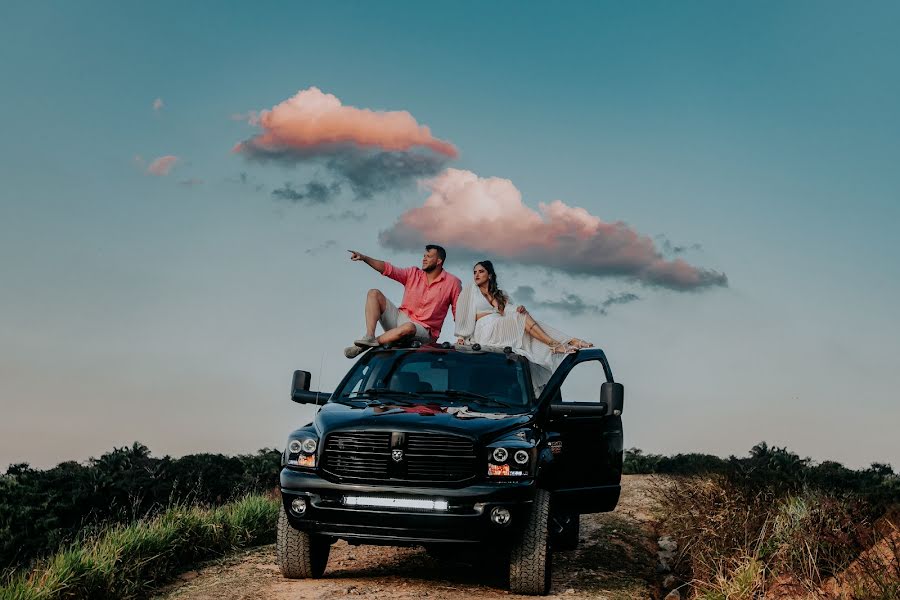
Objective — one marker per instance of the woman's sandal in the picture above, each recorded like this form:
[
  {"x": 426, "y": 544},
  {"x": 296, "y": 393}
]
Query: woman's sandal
[
  {"x": 579, "y": 344},
  {"x": 561, "y": 348}
]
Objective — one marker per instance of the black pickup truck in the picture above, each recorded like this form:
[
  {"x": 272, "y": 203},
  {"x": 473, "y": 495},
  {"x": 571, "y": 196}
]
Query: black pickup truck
[{"x": 442, "y": 446}]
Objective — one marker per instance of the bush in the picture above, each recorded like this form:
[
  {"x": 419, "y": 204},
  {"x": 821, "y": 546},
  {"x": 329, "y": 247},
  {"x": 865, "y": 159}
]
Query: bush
[
  {"x": 739, "y": 542},
  {"x": 130, "y": 561},
  {"x": 40, "y": 510}
]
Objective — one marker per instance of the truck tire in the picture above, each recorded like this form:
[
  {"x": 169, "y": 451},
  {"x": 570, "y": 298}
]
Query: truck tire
[
  {"x": 530, "y": 559},
  {"x": 567, "y": 538},
  {"x": 300, "y": 555}
]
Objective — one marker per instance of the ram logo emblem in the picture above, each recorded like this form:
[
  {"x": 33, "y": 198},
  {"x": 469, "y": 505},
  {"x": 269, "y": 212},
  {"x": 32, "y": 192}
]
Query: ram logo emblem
[{"x": 397, "y": 455}]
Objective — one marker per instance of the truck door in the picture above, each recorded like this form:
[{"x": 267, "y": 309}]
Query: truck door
[{"x": 585, "y": 429}]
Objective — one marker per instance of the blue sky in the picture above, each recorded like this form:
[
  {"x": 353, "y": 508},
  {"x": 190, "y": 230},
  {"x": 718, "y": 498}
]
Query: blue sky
[{"x": 134, "y": 307}]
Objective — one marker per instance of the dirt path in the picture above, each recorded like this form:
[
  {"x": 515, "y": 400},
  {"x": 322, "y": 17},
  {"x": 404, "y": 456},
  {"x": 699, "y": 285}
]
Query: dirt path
[{"x": 615, "y": 560}]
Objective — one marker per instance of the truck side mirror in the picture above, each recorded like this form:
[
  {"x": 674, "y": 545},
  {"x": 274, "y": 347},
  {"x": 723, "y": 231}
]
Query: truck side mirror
[
  {"x": 300, "y": 382},
  {"x": 613, "y": 395},
  {"x": 300, "y": 389}
]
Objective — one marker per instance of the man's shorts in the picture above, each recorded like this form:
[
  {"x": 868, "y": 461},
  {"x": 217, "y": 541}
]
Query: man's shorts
[{"x": 393, "y": 317}]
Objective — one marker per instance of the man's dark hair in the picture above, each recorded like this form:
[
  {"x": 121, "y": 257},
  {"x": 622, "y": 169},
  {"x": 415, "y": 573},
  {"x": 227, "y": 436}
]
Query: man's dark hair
[{"x": 442, "y": 254}]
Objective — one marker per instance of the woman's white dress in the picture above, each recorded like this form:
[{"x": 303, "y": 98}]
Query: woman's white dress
[{"x": 504, "y": 330}]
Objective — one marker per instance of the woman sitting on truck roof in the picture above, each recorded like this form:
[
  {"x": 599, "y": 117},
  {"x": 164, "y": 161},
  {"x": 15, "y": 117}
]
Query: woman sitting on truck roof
[{"x": 486, "y": 315}]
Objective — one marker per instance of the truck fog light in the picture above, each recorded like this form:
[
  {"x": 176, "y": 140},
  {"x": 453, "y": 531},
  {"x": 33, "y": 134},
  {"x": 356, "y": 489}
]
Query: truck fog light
[
  {"x": 521, "y": 457},
  {"x": 299, "y": 506},
  {"x": 500, "y": 455},
  {"x": 500, "y": 515}
]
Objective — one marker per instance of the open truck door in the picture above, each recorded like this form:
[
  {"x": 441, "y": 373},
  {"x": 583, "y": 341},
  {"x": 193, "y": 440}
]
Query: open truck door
[{"x": 585, "y": 439}]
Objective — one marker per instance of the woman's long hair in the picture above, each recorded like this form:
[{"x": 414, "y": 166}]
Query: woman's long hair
[{"x": 495, "y": 292}]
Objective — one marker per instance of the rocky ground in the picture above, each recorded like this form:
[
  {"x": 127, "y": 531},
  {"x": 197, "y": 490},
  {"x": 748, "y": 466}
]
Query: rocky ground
[{"x": 616, "y": 559}]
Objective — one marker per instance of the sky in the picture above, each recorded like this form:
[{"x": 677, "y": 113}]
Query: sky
[{"x": 708, "y": 191}]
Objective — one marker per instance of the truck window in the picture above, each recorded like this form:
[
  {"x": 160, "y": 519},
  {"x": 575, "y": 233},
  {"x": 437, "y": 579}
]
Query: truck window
[
  {"x": 583, "y": 383},
  {"x": 429, "y": 379},
  {"x": 490, "y": 374}
]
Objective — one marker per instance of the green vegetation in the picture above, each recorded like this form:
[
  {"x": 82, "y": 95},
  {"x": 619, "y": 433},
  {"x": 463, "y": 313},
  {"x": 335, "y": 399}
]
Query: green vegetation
[
  {"x": 120, "y": 525},
  {"x": 773, "y": 525},
  {"x": 130, "y": 561},
  {"x": 42, "y": 510},
  {"x": 776, "y": 471}
]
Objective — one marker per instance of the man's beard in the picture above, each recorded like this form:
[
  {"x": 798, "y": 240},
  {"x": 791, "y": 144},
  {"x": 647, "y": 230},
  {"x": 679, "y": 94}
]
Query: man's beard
[{"x": 430, "y": 268}]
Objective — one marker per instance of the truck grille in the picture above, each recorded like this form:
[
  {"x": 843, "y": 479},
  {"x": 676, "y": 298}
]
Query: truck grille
[
  {"x": 358, "y": 454},
  {"x": 427, "y": 457}
]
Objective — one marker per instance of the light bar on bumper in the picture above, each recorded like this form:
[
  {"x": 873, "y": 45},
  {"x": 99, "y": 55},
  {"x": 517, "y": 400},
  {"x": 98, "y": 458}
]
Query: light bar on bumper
[{"x": 386, "y": 502}]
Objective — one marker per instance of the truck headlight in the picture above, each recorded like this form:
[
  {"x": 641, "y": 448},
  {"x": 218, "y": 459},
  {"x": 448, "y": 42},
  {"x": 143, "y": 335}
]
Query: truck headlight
[
  {"x": 521, "y": 457},
  {"x": 302, "y": 452},
  {"x": 500, "y": 454}
]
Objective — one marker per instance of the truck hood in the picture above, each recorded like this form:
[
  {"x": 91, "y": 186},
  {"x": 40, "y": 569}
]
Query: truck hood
[{"x": 434, "y": 417}]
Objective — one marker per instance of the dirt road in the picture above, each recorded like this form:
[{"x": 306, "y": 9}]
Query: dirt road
[{"x": 616, "y": 559}]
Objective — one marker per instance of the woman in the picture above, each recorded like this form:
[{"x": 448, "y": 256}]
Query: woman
[{"x": 485, "y": 315}]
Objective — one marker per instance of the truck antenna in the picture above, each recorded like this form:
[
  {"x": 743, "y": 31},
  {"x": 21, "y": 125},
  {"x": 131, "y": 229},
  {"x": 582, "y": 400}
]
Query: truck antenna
[{"x": 321, "y": 375}]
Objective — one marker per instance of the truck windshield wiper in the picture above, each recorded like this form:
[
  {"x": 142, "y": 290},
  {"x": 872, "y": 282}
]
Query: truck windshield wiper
[
  {"x": 480, "y": 398},
  {"x": 373, "y": 393}
]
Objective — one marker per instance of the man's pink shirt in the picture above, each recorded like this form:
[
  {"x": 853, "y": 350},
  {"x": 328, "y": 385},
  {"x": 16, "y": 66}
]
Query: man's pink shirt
[{"x": 424, "y": 302}]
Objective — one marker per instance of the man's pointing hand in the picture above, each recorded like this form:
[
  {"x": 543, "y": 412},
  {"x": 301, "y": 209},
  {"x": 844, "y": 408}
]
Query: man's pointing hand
[{"x": 354, "y": 255}]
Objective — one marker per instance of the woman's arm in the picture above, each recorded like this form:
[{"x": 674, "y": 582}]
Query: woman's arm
[{"x": 465, "y": 314}]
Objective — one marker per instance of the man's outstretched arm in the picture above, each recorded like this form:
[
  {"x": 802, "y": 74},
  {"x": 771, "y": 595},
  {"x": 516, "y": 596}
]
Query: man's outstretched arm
[{"x": 376, "y": 264}]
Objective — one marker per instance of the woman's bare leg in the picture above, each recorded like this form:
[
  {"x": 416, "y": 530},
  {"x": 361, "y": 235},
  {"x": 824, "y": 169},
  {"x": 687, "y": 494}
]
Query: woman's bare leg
[{"x": 535, "y": 331}]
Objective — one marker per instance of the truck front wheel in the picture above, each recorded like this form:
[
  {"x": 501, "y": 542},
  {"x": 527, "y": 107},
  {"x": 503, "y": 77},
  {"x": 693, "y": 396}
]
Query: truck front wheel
[
  {"x": 530, "y": 558},
  {"x": 300, "y": 555}
]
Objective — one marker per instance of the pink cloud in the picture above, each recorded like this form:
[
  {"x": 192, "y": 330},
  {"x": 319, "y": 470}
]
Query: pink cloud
[
  {"x": 486, "y": 216},
  {"x": 162, "y": 165},
  {"x": 312, "y": 120},
  {"x": 158, "y": 104}
]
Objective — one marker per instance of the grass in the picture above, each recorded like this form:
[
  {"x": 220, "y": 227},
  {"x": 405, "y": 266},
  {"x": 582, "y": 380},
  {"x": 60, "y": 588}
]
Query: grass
[
  {"x": 131, "y": 561},
  {"x": 738, "y": 543}
]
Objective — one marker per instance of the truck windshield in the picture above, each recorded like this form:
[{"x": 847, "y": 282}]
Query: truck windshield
[{"x": 485, "y": 380}]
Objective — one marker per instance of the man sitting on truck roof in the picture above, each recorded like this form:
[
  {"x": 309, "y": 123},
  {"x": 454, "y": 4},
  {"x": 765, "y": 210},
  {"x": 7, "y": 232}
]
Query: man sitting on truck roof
[{"x": 428, "y": 293}]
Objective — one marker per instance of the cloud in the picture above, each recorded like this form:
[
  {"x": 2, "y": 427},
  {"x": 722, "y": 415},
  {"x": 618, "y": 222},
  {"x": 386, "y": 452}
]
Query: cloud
[
  {"x": 347, "y": 215},
  {"x": 158, "y": 104},
  {"x": 669, "y": 248},
  {"x": 572, "y": 304},
  {"x": 321, "y": 247},
  {"x": 374, "y": 173},
  {"x": 162, "y": 165},
  {"x": 487, "y": 216},
  {"x": 312, "y": 120},
  {"x": 313, "y": 192},
  {"x": 372, "y": 151},
  {"x": 243, "y": 178},
  {"x": 190, "y": 182}
]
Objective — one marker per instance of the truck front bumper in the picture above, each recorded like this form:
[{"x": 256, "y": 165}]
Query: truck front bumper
[{"x": 466, "y": 519}]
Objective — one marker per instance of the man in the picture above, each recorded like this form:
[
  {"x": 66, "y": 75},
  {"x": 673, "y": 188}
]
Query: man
[{"x": 428, "y": 293}]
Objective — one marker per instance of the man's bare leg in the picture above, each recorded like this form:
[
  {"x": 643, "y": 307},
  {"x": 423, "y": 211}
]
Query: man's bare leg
[
  {"x": 376, "y": 304},
  {"x": 397, "y": 333}
]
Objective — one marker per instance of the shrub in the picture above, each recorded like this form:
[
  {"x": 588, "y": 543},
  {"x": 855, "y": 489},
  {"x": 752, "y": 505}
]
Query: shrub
[
  {"x": 41, "y": 510},
  {"x": 738, "y": 542},
  {"x": 130, "y": 561}
]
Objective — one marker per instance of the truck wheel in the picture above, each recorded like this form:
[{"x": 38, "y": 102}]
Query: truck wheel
[
  {"x": 530, "y": 558},
  {"x": 567, "y": 538},
  {"x": 300, "y": 555}
]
